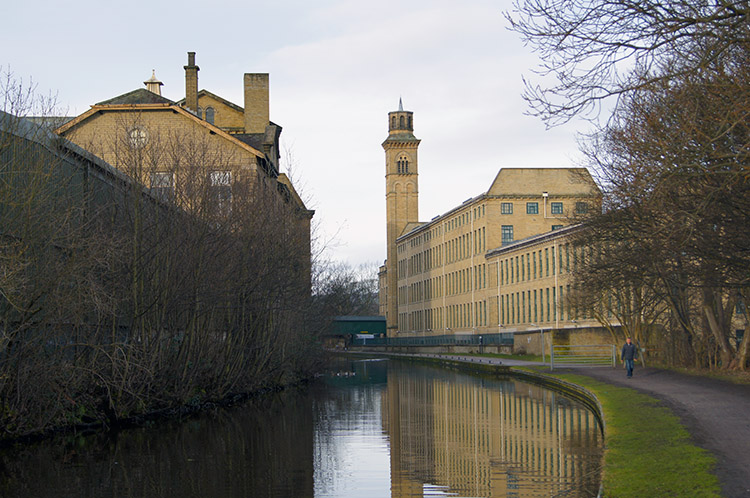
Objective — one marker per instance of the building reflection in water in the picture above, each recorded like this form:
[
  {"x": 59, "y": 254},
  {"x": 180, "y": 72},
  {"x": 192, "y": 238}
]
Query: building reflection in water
[
  {"x": 487, "y": 438},
  {"x": 373, "y": 429}
]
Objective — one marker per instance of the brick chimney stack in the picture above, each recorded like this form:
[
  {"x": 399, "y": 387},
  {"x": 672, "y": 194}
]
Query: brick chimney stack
[
  {"x": 191, "y": 83},
  {"x": 257, "y": 115}
]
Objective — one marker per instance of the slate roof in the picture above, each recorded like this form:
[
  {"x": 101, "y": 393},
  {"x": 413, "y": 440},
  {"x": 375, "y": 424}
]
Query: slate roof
[
  {"x": 252, "y": 139},
  {"x": 50, "y": 122},
  {"x": 140, "y": 96}
]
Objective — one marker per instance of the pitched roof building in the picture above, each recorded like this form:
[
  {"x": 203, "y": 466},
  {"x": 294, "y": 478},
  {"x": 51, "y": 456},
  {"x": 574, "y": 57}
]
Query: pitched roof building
[{"x": 202, "y": 153}]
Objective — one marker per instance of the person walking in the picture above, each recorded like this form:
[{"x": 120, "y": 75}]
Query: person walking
[{"x": 628, "y": 356}]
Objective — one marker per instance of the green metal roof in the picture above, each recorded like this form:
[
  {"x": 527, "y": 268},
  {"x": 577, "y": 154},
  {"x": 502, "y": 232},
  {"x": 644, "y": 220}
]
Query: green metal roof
[{"x": 343, "y": 325}]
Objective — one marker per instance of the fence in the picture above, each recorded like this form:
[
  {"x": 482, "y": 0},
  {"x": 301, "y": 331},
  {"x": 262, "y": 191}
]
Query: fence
[
  {"x": 594, "y": 355},
  {"x": 438, "y": 340}
]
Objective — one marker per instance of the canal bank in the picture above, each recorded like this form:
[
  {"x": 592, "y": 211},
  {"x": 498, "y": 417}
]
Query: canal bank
[{"x": 666, "y": 434}]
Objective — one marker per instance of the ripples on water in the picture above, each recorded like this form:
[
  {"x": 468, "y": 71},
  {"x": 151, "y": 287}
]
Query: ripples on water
[{"x": 368, "y": 429}]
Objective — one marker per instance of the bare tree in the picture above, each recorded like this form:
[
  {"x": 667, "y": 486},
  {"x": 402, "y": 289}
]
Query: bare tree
[
  {"x": 123, "y": 293},
  {"x": 673, "y": 161},
  {"x": 596, "y": 49}
]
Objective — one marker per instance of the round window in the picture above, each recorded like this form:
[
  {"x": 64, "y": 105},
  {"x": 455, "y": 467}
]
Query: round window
[{"x": 138, "y": 138}]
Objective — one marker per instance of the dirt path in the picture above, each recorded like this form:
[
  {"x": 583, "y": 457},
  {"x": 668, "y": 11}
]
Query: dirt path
[{"x": 715, "y": 412}]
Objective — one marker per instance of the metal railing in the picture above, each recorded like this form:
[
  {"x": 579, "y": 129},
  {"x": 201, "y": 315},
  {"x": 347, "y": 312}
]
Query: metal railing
[
  {"x": 438, "y": 340},
  {"x": 592, "y": 355}
]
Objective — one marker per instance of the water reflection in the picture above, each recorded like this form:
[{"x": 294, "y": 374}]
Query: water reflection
[
  {"x": 484, "y": 437},
  {"x": 263, "y": 451},
  {"x": 371, "y": 429}
]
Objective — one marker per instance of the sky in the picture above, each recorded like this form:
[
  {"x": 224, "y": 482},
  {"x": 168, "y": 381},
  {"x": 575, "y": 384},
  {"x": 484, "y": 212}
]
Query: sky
[{"x": 337, "y": 67}]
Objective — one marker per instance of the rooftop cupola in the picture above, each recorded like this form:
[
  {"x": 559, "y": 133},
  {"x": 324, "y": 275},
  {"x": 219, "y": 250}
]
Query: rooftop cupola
[{"x": 153, "y": 85}]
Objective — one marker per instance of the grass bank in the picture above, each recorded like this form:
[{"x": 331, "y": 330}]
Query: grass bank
[{"x": 648, "y": 452}]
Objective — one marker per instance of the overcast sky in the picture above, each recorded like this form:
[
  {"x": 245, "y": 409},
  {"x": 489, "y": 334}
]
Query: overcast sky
[{"x": 337, "y": 68}]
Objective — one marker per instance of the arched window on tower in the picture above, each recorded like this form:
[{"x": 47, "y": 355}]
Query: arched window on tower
[
  {"x": 402, "y": 165},
  {"x": 393, "y": 122},
  {"x": 210, "y": 114},
  {"x": 401, "y": 123},
  {"x": 409, "y": 120}
]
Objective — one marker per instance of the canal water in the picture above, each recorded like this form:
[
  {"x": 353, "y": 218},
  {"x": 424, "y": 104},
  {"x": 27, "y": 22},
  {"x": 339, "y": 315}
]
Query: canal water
[{"x": 368, "y": 428}]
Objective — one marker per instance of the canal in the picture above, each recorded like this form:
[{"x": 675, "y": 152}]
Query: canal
[{"x": 367, "y": 428}]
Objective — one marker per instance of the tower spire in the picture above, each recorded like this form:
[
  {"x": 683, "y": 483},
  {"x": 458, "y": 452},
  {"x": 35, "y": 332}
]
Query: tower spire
[{"x": 400, "y": 105}]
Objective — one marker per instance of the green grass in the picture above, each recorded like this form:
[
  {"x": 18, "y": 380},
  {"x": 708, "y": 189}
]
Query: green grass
[{"x": 648, "y": 453}]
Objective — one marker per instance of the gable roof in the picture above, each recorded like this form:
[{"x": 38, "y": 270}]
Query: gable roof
[
  {"x": 139, "y": 96},
  {"x": 171, "y": 106},
  {"x": 224, "y": 101}
]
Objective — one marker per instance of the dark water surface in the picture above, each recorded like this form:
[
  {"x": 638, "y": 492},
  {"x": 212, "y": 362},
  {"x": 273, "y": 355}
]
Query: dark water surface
[{"x": 371, "y": 428}]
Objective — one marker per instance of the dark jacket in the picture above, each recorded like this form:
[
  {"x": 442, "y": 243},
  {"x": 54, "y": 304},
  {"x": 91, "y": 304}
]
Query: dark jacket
[{"x": 628, "y": 351}]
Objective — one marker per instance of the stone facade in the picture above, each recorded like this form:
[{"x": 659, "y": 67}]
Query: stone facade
[
  {"x": 488, "y": 265},
  {"x": 402, "y": 196},
  {"x": 222, "y": 113},
  {"x": 198, "y": 164},
  {"x": 142, "y": 142}
]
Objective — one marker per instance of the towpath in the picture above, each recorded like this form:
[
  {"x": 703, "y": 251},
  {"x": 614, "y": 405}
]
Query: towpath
[{"x": 715, "y": 412}]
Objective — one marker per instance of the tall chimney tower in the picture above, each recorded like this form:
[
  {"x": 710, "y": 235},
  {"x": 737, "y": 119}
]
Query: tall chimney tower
[
  {"x": 401, "y": 198},
  {"x": 257, "y": 115},
  {"x": 191, "y": 83}
]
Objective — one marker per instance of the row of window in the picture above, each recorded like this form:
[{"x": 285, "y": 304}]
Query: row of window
[
  {"x": 537, "y": 306},
  {"x": 467, "y": 315},
  {"x": 529, "y": 266},
  {"x": 479, "y": 212},
  {"x": 466, "y": 245},
  {"x": 517, "y": 307},
  {"x": 209, "y": 115},
  {"x": 466, "y": 280},
  {"x": 457, "y": 282},
  {"x": 219, "y": 183},
  {"x": 456, "y": 316},
  {"x": 457, "y": 249},
  {"x": 533, "y": 208},
  {"x": 465, "y": 218},
  {"x": 542, "y": 263},
  {"x": 452, "y": 224},
  {"x": 531, "y": 307},
  {"x": 403, "y": 123}
]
